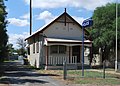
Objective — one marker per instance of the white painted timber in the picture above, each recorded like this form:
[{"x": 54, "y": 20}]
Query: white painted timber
[{"x": 59, "y": 30}]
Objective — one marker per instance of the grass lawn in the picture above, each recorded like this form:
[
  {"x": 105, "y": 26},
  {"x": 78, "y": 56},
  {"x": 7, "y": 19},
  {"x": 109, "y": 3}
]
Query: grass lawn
[{"x": 90, "y": 77}]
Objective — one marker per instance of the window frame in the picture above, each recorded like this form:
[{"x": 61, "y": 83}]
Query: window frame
[{"x": 57, "y": 50}]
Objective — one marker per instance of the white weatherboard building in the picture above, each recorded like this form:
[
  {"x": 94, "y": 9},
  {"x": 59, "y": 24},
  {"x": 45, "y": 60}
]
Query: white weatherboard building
[{"x": 57, "y": 41}]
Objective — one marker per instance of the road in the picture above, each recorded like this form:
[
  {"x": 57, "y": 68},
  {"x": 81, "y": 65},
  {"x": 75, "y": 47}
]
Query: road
[{"x": 17, "y": 74}]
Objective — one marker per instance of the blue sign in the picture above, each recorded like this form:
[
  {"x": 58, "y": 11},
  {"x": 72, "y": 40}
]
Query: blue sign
[{"x": 87, "y": 23}]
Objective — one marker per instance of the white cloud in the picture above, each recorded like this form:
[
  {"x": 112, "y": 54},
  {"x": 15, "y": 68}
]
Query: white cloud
[
  {"x": 26, "y": 16},
  {"x": 87, "y": 4},
  {"x": 27, "y": 1},
  {"x": 18, "y": 22},
  {"x": 7, "y": 10},
  {"x": 46, "y": 16},
  {"x": 13, "y": 38}
]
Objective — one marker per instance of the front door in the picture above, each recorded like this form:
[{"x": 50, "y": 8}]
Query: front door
[{"x": 76, "y": 52}]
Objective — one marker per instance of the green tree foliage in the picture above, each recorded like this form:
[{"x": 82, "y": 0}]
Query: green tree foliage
[
  {"x": 21, "y": 44},
  {"x": 103, "y": 32},
  {"x": 3, "y": 34},
  {"x": 11, "y": 50}
]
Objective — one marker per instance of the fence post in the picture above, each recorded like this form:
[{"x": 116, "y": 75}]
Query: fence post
[
  {"x": 64, "y": 70},
  {"x": 104, "y": 69}
]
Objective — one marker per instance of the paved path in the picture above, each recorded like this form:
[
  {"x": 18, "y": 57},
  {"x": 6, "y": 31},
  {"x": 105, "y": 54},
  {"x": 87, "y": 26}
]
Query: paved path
[{"x": 19, "y": 75}]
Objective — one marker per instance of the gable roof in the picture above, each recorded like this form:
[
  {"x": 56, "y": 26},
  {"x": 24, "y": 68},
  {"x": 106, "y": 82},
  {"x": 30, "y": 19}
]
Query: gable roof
[{"x": 54, "y": 20}]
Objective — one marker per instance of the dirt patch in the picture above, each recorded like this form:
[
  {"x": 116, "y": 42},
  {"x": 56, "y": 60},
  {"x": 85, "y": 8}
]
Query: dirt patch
[{"x": 4, "y": 84}]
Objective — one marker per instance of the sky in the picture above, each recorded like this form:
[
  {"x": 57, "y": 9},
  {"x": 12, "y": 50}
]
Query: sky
[{"x": 43, "y": 11}]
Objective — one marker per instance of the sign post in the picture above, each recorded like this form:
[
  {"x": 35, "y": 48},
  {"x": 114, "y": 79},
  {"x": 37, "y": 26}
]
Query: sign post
[
  {"x": 86, "y": 23},
  {"x": 116, "y": 62}
]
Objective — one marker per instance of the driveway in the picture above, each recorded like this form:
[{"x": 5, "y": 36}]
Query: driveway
[{"x": 17, "y": 74}]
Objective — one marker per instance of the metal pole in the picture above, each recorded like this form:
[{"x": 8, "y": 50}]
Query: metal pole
[
  {"x": 116, "y": 34},
  {"x": 64, "y": 70},
  {"x": 82, "y": 51},
  {"x": 30, "y": 17}
]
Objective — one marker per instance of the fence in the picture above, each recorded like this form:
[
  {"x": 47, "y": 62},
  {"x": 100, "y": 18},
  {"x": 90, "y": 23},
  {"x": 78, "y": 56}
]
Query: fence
[{"x": 52, "y": 60}]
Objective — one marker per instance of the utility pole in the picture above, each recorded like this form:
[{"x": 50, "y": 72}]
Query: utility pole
[
  {"x": 116, "y": 34},
  {"x": 30, "y": 17}
]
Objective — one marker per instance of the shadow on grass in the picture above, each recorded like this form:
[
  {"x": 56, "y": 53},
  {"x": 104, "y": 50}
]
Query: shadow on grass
[
  {"x": 25, "y": 74},
  {"x": 20, "y": 81}
]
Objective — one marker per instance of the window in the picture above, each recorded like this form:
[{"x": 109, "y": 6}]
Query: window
[
  {"x": 71, "y": 28},
  {"x": 28, "y": 50},
  {"x": 37, "y": 47},
  {"x": 58, "y": 49},
  {"x": 34, "y": 45},
  {"x": 62, "y": 49},
  {"x": 56, "y": 28},
  {"x": 54, "y": 49},
  {"x": 37, "y": 43}
]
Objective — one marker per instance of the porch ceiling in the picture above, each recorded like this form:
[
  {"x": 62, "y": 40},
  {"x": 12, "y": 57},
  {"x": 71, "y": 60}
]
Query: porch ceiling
[{"x": 68, "y": 42}]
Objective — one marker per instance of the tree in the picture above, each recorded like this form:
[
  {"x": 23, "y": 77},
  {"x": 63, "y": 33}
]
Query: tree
[
  {"x": 3, "y": 34},
  {"x": 11, "y": 50},
  {"x": 21, "y": 44},
  {"x": 103, "y": 31}
]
